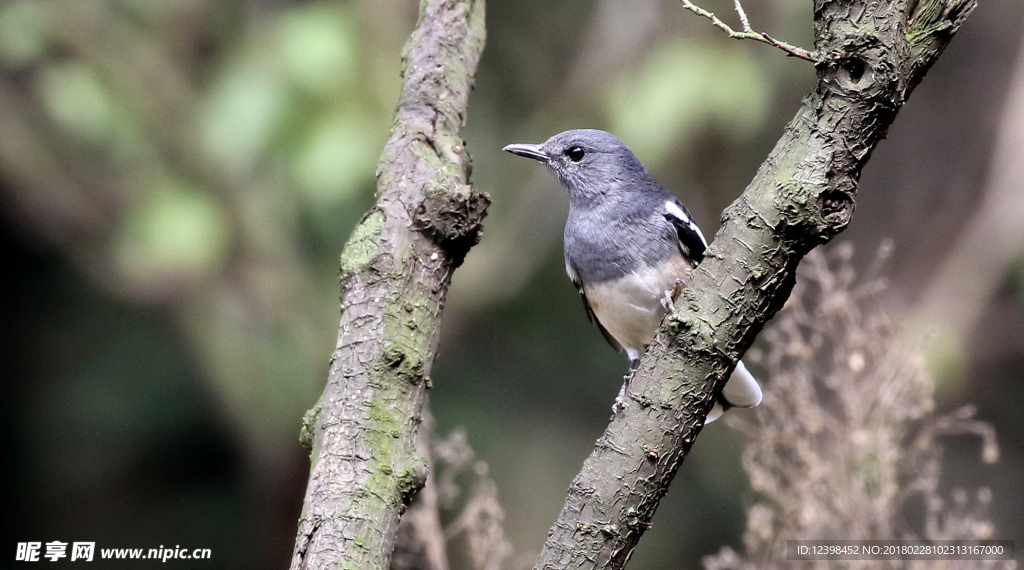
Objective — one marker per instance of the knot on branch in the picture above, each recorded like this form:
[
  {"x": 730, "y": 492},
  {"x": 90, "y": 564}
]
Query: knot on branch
[
  {"x": 452, "y": 215},
  {"x": 854, "y": 73},
  {"x": 860, "y": 66},
  {"x": 404, "y": 361},
  {"x": 411, "y": 479},
  {"x": 867, "y": 76},
  {"x": 307, "y": 432},
  {"x": 812, "y": 216}
]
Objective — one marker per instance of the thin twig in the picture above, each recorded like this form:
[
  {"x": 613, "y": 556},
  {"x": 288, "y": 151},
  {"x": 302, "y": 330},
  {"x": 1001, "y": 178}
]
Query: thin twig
[
  {"x": 743, "y": 16},
  {"x": 748, "y": 33}
]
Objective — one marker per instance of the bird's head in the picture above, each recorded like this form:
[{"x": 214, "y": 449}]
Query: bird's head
[{"x": 592, "y": 165}]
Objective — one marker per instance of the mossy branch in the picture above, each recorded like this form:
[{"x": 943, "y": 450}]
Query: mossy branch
[
  {"x": 871, "y": 56},
  {"x": 395, "y": 273}
]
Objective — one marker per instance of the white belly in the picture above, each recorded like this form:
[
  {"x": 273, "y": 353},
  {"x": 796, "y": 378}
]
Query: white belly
[{"x": 631, "y": 308}]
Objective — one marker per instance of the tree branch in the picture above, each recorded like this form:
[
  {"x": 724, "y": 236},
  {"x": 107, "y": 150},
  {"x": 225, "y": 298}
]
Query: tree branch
[
  {"x": 748, "y": 33},
  {"x": 395, "y": 273},
  {"x": 873, "y": 55},
  {"x": 420, "y": 542}
]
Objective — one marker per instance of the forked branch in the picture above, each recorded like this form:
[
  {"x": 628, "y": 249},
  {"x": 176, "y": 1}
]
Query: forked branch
[{"x": 748, "y": 33}]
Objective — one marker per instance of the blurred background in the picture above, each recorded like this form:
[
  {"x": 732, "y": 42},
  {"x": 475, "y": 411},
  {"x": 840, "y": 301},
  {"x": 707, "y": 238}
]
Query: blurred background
[{"x": 177, "y": 179}]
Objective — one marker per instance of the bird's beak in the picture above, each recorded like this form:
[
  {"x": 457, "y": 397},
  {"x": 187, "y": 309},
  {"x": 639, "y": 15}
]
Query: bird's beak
[{"x": 529, "y": 151}]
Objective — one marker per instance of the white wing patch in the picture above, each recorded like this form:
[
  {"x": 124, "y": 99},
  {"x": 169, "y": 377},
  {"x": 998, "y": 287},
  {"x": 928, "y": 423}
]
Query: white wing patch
[
  {"x": 678, "y": 212},
  {"x": 699, "y": 234}
]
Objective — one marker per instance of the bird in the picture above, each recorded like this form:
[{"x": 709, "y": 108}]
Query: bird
[{"x": 630, "y": 247}]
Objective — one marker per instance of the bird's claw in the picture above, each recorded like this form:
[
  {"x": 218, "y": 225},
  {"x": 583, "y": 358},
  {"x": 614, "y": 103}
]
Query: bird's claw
[
  {"x": 620, "y": 400},
  {"x": 667, "y": 302}
]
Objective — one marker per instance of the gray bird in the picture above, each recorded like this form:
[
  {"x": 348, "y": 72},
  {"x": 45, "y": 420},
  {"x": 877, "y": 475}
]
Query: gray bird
[{"x": 630, "y": 247}]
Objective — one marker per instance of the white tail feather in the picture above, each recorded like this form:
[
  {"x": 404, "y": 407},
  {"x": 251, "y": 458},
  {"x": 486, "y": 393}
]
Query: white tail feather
[
  {"x": 742, "y": 390},
  {"x": 716, "y": 412}
]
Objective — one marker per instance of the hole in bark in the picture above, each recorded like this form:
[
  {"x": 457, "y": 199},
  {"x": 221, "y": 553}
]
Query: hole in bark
[
  {"x": 855, "y": 68},
  {"x": 854, "y": 73},
  {"x": 837, "y": 205}
]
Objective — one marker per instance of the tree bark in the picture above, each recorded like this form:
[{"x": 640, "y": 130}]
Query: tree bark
[
  {"x": 395, "y": 272},
  {"x": 873, "y": 53}
]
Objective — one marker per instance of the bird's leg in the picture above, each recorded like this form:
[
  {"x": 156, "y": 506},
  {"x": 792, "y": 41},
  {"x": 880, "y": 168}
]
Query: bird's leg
[
  {"x": 620, "y": 400},
  {"x": 668, "y": 301}
]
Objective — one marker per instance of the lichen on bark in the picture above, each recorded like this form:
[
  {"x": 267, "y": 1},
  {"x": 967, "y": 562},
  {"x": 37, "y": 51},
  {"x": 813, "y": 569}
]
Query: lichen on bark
[{"x": 395, "y": 272}]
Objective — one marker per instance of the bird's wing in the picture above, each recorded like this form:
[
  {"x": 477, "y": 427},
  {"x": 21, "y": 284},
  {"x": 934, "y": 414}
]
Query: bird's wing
[
  {"x": 691, "y": 240},
  {"x": 590, "y": 312}
]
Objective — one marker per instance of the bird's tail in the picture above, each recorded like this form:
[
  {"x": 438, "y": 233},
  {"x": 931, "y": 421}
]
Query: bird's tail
[{"x": 740, "y": 391}]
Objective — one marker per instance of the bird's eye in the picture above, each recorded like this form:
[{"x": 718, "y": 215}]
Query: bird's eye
[{"x": 575, "y": 153}]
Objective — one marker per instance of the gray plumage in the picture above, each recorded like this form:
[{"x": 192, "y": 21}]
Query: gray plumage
[{"x": 629, "y": 244}]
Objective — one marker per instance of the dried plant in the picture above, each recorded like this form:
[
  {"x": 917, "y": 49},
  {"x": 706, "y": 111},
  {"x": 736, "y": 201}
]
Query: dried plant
[
  {"x": 473, "y": 536},
  {"x": 846, "y": 443}
]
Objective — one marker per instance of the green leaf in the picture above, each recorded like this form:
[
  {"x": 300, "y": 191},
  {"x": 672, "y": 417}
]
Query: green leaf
[
  {"x": 339, "y": 155},
  {"x": 22, "y": 32},
  {"x": 242, "y": 112},
  {"x": 179, "y": 233},
  {"x": 319, "y": 48},
  {"x": 77, "y": 99}
]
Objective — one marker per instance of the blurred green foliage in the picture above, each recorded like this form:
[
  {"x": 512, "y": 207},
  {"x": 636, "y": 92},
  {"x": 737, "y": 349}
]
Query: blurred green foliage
[
  {"x": 682, "y": 87},
  {"x": 179, "y": 232},
  {"x": 22, "y": 33}
]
